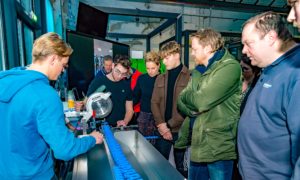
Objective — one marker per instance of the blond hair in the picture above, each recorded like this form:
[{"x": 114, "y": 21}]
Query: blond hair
[
  {"x": 171, "y": 47},
  {"x": 209, "y": 37},
  {"x": 50, "y": 44},
  {"x": 152, "y": 57}
]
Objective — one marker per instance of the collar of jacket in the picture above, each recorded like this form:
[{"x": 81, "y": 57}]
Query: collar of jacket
[
  {"x": 184, "y": 70},
  {"x": 216, "y": 57},
  {"x": 226, "y": 57},
  {"x": 285, "y": 56}
]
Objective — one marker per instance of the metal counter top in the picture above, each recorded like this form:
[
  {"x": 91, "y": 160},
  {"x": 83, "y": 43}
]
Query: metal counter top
[{"x": 146, "y": 160}]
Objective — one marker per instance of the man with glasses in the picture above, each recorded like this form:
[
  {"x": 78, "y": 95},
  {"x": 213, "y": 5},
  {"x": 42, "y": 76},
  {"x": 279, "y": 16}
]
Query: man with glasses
[
  {"x": 269, "y": 128},
  {"x": 115, "y": 82}
]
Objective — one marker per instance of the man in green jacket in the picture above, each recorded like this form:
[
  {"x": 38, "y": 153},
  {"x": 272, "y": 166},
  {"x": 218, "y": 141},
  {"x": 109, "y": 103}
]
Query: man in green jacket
[{"x": 211, "y": 101}]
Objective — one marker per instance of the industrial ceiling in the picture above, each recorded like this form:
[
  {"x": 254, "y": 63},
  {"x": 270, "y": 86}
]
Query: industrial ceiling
[{"x": 232, "y": 5}]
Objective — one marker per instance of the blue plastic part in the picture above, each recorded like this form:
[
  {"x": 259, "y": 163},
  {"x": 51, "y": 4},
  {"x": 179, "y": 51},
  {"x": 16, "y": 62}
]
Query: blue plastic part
[
  {"x": 151, "y": 137},
  {"x": 117, "y": 173},
  {"x": 123, "y": 169}
]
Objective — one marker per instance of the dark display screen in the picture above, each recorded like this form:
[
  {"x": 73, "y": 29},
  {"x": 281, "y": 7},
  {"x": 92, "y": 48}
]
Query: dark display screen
[{"x": 91, "y": 21}]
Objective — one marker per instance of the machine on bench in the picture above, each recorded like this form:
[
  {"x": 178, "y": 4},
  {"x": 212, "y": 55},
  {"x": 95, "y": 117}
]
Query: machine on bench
[{"x": 125, "y": 154}]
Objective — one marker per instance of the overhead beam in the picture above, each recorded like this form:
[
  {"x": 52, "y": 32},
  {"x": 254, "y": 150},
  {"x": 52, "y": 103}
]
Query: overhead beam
[
  {"x": 272, "y": 2},
  {"x": 122, "y": 35},
  {"x": 222, "y": 5},
  {"x": 163, "y": 26},
  {"x": 137, "y": 12},
  {"x": 228, "y": 5},
  {"x": 224, "y": 34}
]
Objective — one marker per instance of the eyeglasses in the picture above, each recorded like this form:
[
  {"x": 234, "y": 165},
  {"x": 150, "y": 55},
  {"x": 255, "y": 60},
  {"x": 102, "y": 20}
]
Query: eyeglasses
[{"x": 119, "y": 73}]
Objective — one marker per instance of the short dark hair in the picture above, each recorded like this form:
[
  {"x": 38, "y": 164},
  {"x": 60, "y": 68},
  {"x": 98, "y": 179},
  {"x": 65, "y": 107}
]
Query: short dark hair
[
  {"x": 267, "y": 21},
  {"x": 123, "y": 60},
  {"x": 107, "y": 58}
]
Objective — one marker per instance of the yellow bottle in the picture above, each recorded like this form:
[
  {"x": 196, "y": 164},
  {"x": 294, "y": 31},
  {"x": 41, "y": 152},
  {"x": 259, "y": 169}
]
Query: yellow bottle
[{"x": 71, "y": 103}]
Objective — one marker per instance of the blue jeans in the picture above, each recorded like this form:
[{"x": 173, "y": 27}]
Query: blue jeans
[{"x": 219, "y": 170}]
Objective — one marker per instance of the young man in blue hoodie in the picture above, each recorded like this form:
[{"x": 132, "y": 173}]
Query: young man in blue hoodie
[
  {"x": 269, "y": 128},
  {"x": 32, "y": 117}
]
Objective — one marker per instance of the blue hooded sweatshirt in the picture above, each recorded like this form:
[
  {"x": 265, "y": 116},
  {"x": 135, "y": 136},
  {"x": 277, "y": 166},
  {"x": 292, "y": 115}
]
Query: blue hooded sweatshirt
[{"x": 32, "y": 122}]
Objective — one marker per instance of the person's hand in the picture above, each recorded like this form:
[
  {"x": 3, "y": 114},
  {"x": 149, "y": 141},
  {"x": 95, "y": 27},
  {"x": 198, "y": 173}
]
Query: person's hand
[
  {"x": 168, "y": 136},
  {"x": 164, "y": 131},
  {"x": 121, "y": 123},
  {"x": 78, "y": 105},
  {"x": 98, "y": 136},
  {"x": 71, "y": 127}
]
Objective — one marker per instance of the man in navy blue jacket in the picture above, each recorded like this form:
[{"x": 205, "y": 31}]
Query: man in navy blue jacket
[
  {"x": 107, "y": 66},
  {"x": 294, "y": 17},
  {"x": 269, "y": 128}
]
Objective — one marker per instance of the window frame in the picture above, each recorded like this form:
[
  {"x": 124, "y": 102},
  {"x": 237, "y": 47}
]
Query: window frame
[
  {"x": 3, "y": 63},
  {"x": 25, "y": 25}
]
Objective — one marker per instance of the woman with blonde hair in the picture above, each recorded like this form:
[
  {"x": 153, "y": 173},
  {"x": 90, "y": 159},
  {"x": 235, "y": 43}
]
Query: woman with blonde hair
[{"x": 143, "y": 92}]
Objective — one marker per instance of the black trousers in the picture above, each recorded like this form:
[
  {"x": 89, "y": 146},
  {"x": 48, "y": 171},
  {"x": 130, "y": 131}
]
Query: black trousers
[{"x": 164, "y": 147}]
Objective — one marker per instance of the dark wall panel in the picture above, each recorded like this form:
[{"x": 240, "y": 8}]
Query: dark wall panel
[{"x": 81, "y": 65}]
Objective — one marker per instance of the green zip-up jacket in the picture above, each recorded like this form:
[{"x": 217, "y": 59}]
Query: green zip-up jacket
[{"x": 215, "y": 97}]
